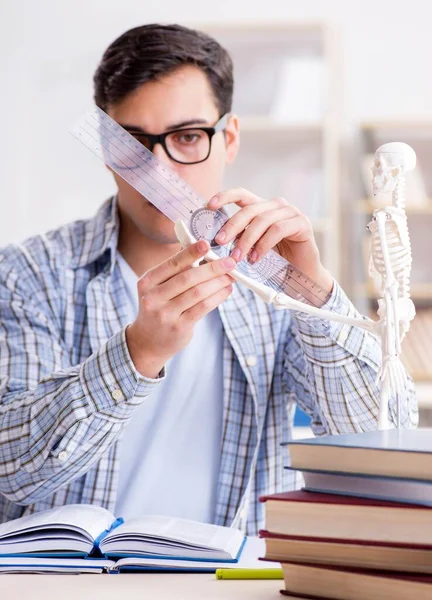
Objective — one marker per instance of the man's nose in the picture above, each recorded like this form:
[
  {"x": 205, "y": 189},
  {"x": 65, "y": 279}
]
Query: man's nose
[{"x": 160, "y": 153}]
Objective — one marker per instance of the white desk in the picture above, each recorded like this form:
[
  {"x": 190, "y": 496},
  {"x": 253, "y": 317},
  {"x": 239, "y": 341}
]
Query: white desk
[{"x": 128, "y": 586}]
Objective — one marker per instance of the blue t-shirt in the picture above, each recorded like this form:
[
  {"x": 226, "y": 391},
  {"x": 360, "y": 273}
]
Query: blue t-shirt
[{"x": 170, "y": 450}]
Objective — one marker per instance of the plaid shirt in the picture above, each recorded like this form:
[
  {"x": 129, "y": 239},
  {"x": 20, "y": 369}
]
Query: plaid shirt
[{"x": 68, "y": 385}]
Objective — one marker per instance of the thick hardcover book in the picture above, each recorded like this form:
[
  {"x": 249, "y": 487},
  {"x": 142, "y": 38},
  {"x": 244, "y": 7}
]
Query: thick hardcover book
[
  {"x": 319, "y": 582},
  {"x": 405, "y": 453},
  {"x": 93, "y": 534},
  {"x": 355, "y": 553},
  {"x": 309, "y": 514}
]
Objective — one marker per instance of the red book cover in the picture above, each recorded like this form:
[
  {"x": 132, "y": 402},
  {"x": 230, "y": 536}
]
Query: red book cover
[
  {"x": 263, "y": 533},
  {"x": 319, "y": 498},
  {"x": 417, "y": 577},
  {"x": 303, "y": 597}
]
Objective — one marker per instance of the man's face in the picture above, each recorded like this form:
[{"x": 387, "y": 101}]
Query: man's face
[{"x": 184, "y": 96}]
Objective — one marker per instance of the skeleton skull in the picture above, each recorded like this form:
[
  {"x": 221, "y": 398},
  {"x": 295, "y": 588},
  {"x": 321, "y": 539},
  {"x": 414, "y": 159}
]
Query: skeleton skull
[{"x": 391, "y": 160}]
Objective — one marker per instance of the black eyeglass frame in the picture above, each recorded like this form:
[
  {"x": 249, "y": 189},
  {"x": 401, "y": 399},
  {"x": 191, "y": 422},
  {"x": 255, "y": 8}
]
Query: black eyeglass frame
[{"x": 159, "y": 138}]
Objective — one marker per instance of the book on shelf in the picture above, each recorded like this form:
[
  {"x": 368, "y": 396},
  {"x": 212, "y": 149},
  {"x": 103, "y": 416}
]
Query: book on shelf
[
  {"x": 93, "y": 536},
  {"x": 322, "y": 582},
  {"x": 308, "y": 514},
  {"x": 354, "y": 553},
  {"x": 391, "y": 489},
  {"x": 402, "y": 453}
]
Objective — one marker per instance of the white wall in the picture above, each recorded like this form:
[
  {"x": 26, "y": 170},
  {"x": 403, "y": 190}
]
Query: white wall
[{"x": 49, "y": 50}]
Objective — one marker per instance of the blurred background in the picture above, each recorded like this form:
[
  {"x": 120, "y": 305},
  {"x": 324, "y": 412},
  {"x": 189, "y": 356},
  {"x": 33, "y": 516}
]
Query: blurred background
[{"x": 319, "y": 86}]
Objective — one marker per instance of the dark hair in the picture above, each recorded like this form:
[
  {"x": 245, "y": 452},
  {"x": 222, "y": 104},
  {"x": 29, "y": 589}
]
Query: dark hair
[{"x": 145, "y": 53}]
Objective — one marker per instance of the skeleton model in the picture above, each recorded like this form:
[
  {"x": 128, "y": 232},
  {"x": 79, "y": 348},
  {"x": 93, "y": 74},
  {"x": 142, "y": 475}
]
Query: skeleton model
[{"x": 390, "y": 261}]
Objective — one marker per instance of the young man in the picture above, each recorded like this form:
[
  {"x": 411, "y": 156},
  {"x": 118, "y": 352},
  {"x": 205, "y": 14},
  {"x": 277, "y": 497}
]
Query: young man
[{"x": 131, "y": 380}]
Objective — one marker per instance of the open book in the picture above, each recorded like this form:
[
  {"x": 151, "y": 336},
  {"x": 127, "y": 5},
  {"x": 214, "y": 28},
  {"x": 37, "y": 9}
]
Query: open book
[{"x": 93, "y": 533}]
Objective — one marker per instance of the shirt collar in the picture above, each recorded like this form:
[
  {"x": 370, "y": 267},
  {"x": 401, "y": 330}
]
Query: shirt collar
[{"x": 98, "y": 235}]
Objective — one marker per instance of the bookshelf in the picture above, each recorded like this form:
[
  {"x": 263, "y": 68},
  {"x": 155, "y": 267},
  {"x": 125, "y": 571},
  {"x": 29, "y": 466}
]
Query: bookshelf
[
  {"x": 417, "y": 346},
  {"x": 286, "y": 94}
]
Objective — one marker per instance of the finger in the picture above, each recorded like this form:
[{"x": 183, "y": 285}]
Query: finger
[
  {"x": 204, "y": 307},
  {"x": 238, "y": 196},
  {"x": 175, "y": 264},
  {"x": 190, "y": 278},
  {"x": 256, "y": 229},
  {"x": 297, "y": 229},
  {"x": 199, "y": 293},
  {"x": 238, "y": 222}
]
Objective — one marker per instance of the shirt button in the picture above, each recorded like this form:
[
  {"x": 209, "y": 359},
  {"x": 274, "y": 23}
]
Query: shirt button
[
  {"x": 251, "y": 361},
  {"x": 117, "y": 394},
  {"x": 62, "y": 456}
]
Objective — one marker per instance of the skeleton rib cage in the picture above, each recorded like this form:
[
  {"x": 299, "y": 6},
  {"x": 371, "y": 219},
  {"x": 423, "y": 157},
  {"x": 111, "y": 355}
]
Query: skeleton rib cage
[{"x": 399, "y": 249}]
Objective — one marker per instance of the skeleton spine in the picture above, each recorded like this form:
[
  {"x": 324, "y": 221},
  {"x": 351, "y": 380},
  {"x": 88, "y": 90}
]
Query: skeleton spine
[{"x": 404, "y": 277}]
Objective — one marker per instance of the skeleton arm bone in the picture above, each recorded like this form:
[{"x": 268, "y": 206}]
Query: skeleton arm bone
[
  {"x": 390, "y": 289},
  {"x": 393, "y": 374},
  {"x": 279, "y": 300}
]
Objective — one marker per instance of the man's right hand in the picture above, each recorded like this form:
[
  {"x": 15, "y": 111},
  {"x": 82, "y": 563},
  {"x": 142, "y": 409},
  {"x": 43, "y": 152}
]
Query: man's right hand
[{"x": 173, "y": 296}]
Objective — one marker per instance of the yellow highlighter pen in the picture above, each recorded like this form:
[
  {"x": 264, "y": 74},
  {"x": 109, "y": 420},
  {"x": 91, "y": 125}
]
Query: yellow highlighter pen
[{"x": 249, "y": 574}]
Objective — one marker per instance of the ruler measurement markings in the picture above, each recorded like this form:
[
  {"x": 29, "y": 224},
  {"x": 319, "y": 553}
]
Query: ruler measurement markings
[
  {"x": 173, "y": 181},
  {"x": 131, "y": 175}
]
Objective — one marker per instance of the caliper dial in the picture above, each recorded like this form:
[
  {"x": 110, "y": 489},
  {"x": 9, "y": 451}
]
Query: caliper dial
[{"x": 205, "y": 224}]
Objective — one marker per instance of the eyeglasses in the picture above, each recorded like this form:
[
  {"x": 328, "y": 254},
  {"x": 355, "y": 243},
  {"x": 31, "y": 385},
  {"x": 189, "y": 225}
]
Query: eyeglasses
[{"x": 187, "y": 146}]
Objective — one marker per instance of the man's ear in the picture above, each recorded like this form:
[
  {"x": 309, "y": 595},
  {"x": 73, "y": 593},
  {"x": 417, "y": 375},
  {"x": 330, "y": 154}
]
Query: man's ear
[{"x": 232, "y": 138}]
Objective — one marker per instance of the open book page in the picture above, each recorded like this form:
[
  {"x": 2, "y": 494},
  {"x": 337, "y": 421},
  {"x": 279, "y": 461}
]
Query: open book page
[
  {"x": 252, "y": 552},
  {"x": 45, "y": 530},
  {"x": 183, "y": 532}
]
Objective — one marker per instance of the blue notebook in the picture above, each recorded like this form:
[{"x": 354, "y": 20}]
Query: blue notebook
[
  {"x": 93, "y": 533},
  {"x": 401, "y": 453}
]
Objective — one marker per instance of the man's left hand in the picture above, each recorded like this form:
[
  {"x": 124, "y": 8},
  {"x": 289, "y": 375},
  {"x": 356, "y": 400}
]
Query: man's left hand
[{"x": 262, "y": 225}]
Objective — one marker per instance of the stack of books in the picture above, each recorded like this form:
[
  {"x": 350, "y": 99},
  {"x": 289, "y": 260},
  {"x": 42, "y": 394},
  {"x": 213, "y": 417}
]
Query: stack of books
[{"x": 362, "y": 525}]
